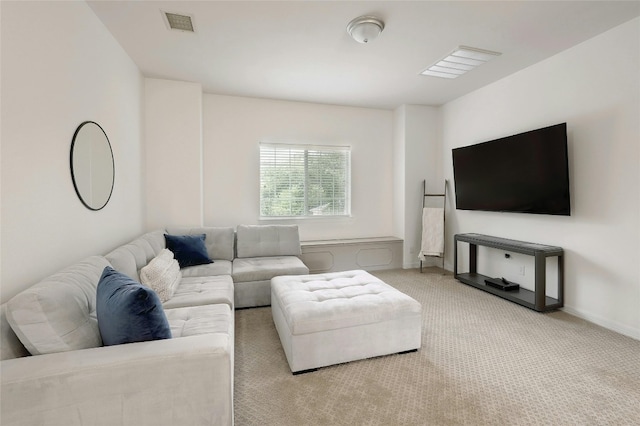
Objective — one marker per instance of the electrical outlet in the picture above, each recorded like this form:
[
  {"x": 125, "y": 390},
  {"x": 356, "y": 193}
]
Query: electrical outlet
[{"x": 521, "y": 270}]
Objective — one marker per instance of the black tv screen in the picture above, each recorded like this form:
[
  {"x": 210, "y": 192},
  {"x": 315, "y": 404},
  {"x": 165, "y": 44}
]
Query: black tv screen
[{"x": 524, "y": 173}]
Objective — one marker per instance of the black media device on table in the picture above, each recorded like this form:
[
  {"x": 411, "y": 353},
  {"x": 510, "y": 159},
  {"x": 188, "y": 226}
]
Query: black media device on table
[{"x": 502, "y": 284}]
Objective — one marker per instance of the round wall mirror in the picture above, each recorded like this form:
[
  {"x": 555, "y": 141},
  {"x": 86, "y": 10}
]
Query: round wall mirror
[{"x": 92, "y": 166}]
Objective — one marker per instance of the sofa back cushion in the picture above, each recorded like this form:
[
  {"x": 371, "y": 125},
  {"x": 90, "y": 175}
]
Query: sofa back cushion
[
  {"x": 155, "y": 240},
  {"x": 268, "y": 240},
  {"x": 219, "y": 241},
  {"x": 124, "y": 260},
  {"x": 55, "y": 315},
  {"x": 132, "y": 257}
]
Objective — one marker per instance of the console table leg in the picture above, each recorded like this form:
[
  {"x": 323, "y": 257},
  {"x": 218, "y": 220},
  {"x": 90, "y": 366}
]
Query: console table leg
[
  {"x": 473, "y": 255},
  {"x": 455, "y": 257},
  {"x": 540, "y": 282},
  {"x": 561, "y": 280}
]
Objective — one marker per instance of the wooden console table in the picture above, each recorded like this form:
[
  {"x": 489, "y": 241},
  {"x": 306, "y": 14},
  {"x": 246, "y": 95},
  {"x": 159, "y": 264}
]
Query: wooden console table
[{"x": 537, "y": 299}]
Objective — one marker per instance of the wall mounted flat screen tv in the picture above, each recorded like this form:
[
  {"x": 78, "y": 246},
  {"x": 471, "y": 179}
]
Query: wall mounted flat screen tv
[{"x": 524, "y": 173}]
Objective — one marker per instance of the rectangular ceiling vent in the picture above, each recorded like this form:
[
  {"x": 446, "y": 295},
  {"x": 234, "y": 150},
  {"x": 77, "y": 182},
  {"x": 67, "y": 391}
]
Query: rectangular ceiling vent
[
  {"x": 178, "y": 22},
  {"x": 459, "y": 61}
]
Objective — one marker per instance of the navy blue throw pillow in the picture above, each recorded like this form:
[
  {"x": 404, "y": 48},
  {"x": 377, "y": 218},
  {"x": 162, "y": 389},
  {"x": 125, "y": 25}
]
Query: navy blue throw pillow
[
  {"x": 127, "y": 311},
  {"x": 188, "y": 250}
]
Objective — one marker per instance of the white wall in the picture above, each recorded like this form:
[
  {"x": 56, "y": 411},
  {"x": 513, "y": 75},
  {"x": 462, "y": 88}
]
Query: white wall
[
  {"x": 233, "y": 129},
  {"x": 422, "y": 162},
  {"x": 595, "y": 88},
  {"x": 417, "y": 157},
  {"x": 173, "y": 147},
  {"x": 399, "y": 171},
  {"x": 60, "y": 67}
]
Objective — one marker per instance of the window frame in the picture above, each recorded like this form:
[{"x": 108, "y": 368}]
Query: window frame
[{"x": 306, "y": 148}]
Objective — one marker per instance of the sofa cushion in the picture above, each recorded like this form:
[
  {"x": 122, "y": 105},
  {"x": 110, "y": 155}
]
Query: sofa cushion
[
  {"x": 131, "y": 257},
  {"x": 155, "y": 240},
  {"x": 188, "y": 250},
  {"x": 196, "y": 320},
  {"x": 219, "y": 267},
  {"x": 268, "y": 240},
  {"x": 162, "y": 275},
  {"x": 265, "y": 268},
  {"x": 128, "y": 259},
  {"x": 194, "y": 291},
  {"x": 55, "y": 314},
  {"x": 128, "y": 311},
  {"x": 220, "y": 241}
]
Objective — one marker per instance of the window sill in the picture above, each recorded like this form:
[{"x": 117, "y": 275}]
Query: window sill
[{"x": 304, "y": 218}]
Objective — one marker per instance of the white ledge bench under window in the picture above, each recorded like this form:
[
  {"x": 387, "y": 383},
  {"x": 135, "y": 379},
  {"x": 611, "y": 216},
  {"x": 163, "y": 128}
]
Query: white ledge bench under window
[{"x": 370, "y": 254}]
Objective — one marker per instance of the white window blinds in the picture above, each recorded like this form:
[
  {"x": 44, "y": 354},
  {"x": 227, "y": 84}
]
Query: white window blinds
[{"x": 302, "y": 181}]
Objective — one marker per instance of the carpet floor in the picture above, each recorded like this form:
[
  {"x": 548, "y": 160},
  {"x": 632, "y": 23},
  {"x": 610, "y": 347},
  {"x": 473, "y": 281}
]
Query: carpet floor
[{"x": 483, "y": 361}]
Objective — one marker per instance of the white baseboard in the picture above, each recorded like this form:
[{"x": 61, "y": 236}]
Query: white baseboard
[{"x": 604, "y": 322}]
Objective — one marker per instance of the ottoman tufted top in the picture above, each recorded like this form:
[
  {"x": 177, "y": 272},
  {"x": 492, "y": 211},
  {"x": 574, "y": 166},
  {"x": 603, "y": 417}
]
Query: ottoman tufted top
[{"x": 313, "y": 303}]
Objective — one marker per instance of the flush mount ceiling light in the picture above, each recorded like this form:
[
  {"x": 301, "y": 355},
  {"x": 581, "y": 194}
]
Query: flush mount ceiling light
[
  {"x": 365, "y": 28},
  {"x": 459, "y": 61},
  {"x": 179, "y": 22}
]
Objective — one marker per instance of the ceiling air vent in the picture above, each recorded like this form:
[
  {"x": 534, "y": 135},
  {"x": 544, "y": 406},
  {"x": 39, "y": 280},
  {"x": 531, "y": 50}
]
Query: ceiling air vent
[
  {"x": 179, "y": 22},
  {"x": 460, "y": 61}
]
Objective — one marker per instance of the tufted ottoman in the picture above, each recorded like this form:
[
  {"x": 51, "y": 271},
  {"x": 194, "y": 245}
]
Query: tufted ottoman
[{"x": 332, "y": 318}]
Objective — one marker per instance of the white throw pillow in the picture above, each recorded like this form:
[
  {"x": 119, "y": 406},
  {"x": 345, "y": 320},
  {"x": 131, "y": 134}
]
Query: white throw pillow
[{"x": 162, "y": 275}]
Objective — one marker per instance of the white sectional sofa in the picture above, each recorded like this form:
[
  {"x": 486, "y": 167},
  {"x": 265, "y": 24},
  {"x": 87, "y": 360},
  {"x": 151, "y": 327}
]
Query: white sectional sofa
[{"x": 55, "y": 370}]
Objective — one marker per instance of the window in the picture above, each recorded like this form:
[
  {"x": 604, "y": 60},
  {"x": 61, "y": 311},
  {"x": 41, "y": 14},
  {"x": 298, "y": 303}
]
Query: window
[{"x": 304, "y": 181}]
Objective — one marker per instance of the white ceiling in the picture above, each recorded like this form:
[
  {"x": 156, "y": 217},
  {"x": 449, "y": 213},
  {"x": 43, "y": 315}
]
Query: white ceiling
[{"x": 300, "y": 50}]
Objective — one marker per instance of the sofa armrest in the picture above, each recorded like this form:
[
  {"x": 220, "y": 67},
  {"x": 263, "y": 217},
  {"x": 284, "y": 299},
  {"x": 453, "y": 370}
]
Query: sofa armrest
[{"x": 181, "y": 381}]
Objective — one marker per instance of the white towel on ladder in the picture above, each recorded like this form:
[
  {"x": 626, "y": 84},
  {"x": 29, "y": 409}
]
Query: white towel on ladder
[{"x": 432, "y": 232}]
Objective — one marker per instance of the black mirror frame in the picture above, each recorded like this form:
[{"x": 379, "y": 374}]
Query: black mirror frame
[{"x": 73, "y": 177}]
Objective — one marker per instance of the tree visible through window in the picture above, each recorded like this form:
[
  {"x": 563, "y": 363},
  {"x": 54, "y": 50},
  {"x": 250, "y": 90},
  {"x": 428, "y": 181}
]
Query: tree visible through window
[{"x": 301, "y": 181}]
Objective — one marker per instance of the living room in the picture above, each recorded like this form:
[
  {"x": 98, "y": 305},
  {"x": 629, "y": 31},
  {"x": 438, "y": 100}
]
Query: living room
[{"x": 61, "y": 66}]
